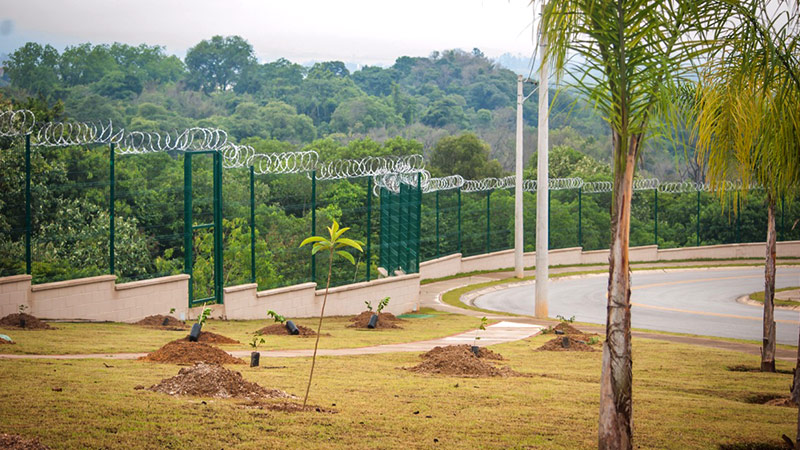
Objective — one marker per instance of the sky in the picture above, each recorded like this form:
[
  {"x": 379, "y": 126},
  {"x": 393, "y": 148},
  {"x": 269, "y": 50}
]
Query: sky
[{"x": 364, "y": 32}]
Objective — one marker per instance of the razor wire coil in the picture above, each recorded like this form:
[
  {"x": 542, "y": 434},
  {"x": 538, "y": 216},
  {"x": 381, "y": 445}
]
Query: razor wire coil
[{"x": 16, "y": 122}]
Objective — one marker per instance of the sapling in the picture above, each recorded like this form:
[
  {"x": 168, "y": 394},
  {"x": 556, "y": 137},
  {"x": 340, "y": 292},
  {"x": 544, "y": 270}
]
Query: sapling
[
  {"x": 201, "y": 319},
  {"x": 255, "y": 356},
  {"x": 482, "y": 327},
  {"x": 22, "y": 309},
  {"x": 276, "y": 317},
  {"x": 334, "y": 245},
  {"x": 564, "y": 319},
  {"x": 171, "y": 311},
  {"x": 369, "y": 305},
  {"x": 382, "y": 304}
]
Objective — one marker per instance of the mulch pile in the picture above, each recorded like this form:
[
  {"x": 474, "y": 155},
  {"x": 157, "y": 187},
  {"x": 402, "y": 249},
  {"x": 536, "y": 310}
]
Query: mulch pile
[
  {"x": 157, "y": 321},
  {"x": 459, "y": 360},
  {"x": 385, "y": 320},
  {"x": 577, "y": 343},
  {"x": 212, "y": 380},
  {"x": 31, "y": 323},
  {"x": 185, "y": 352},
  {"x": 15, "y": 442},
  {"x": 279, "y": 329},
  {"x": 567, "y": 328},
  {"x": 213, "y": 338}
]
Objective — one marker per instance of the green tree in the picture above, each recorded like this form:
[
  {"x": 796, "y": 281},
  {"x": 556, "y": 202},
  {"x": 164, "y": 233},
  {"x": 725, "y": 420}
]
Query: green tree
[
  {"x": 34, "y": 68},
  {"x": 747, "y": 124},
  {"x": 217, "y": 63},
  {"x": 465, "y": 155},
  {"x": 631, "y": 51}
]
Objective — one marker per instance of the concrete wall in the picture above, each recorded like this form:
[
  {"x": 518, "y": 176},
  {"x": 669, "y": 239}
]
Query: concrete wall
[
  {"x": 304, "y": 300},
  {"x": 449, "y": 265},
  {"x": 96, "y": 298},
  {"x": 14, "y": 291}
]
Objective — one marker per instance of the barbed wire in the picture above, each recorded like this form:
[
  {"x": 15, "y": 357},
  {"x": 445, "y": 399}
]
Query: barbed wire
[
  {"x": 16, "y": 122},
  {"x": 62, "y": 134},
  {"x": 286, "y": 162},
  {"x": 194, "y": 139},
  {"x": 371, "y": 166}
]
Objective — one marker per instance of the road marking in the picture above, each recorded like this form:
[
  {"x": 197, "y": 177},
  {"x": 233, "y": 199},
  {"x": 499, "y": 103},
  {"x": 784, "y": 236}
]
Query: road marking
[{"x": 702, "y": 313}]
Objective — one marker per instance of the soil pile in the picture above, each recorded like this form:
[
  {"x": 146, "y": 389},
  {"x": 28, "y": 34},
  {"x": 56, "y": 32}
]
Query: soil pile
[
  {"x": 279, "y": 329},
  {"x": 213, "y": 338},
  {"x": 3, "y": 341},
  {"x": 567, "y": 328},
  {"x": 31, "y": 323},
  {"x": 459, "y": 360},
  {"x": 15, "y": 442},
  {"x": 576, "y": 344},
  {"x": 185, "y": 352},
  {"x": 158, "y": 321},
  {"x": 385, "y": 320},
  {"x": 483, "y": 352},
  {"x": 211, "y": 380}
]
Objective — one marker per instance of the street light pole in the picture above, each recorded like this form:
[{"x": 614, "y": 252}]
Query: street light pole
[
  {"x": 542, "y": 186},
  {"x": 519, "y": 266}
]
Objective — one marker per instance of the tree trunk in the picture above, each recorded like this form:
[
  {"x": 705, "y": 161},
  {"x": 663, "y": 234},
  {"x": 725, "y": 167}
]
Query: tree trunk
[
  {"x": 768, "y": 348},
  {"x": 616, "y": 409},
  {"x": 796, "y": 392}
]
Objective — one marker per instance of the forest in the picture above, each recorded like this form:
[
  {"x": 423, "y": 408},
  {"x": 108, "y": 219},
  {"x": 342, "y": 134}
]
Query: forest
[{"x": 457, "y": 108}]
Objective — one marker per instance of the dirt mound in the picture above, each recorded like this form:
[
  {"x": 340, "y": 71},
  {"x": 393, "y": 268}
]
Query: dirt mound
[
  {"x": 211, "y": 380},
  {"x": 16, "y": 442},
  {"x": 213, "y": 338},
  {"x": 385, "y": 320},
  {"x": 3, "y": 341},
  {"x": 483, "y": 353},
  {"x": 567, "y": 328},
  {"x": 31, "y": 323},
  {"x": 158, "y": 321},
  {"x": 185, "y": 352},
  {"x": 278, "y": 329},
  {"x": 575, "y": 345},
  {"x": 459, "y": 360}
]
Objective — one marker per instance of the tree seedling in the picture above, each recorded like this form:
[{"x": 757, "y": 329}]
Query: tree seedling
[
  {"x": 382, "y": 304},
  {"x": 276, "y": 317},
  {"x": 482, "y": 326},
  {"x": 369, "y": 305},
  {"x": 255, "y": 356},
  {"x": 564, "y": 319},
  {"x": 22, "y": 309},
  {"x": 201, "y": 319},
  {"x": 334, "y": 244}
]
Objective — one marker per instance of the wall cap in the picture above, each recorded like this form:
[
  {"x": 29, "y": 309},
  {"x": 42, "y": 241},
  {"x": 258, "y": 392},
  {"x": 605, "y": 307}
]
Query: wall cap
[
  {"x": 285, "y": 289},
  {"x": 438, "y": 260},
  {"x": 151, "y": 282},
  {"x": 364, "y": 284},
  {"x": 15, "y": 279},
  {"x": 240, "y": 287},
  {"x": 73, "y": 282}
]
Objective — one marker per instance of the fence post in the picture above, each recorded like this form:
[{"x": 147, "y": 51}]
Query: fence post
[
  {"x": 419, "y": 215},
  {"x": 488, "y": 222},
  {"x": 218, "y": 243},
  {"x": 369, "y": 226},
  {"x": 437, "y": 225},
  {"x": 313, "y": 221},
  {"x": 738, "y": 219},
  {"x": 460, "y": 250},
  {"x": 548, "y": 219},
  {"x": 187, "y": 222},
  {"x": 580, "y": 205},
  {"x": 698, "y": 217},
  {"x": 655, "y": 217},
  {"x": 28, "y": 221},
  {"x": 252, "y": 225},
  {"x": 112, "y": 196}
]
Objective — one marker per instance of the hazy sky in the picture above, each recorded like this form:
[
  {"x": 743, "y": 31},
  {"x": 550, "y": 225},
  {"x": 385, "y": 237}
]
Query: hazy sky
[{"x": 362, "y": 31}]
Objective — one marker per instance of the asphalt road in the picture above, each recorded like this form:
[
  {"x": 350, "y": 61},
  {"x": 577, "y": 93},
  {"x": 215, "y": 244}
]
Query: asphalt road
[{"x": 696, "y": 301}]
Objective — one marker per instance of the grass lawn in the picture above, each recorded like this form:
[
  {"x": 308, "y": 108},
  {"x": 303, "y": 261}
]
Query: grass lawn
[
  {"x": 684, "y": 397},
  {"x": 759, "y": 297},
  {"x": 123, "y": 338}
]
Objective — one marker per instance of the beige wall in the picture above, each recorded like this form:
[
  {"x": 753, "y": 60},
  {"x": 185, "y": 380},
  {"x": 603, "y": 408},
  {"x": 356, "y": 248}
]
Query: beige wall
[
  {"x": 14, "y": 291},
  {"x": 440, "y": 267},
  {"x": 99, "y": 298}
]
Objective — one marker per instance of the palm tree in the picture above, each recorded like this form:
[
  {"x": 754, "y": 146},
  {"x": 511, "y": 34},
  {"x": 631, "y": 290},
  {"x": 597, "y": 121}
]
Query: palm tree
[
  {"x": 630, "y": 53},
  {"x": 747, "y": 119},
  {"x": 334, "y": 244}
]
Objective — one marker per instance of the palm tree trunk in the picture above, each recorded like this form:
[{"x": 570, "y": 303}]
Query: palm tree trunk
[
  {"x": 768, "y": 348},
  {"x": 796, "y": 392},
  {"x": 616, "y": 410},
  {"x": 319, "y": 328}
]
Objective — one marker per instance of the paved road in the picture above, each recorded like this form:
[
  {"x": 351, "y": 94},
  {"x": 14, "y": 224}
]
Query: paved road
[{"x": 696, "y": 301}]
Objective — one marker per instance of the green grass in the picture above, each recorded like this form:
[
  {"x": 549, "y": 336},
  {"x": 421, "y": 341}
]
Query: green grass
[
  {"x": 759, "y": 297},
  {"x": 684, "y": 397},
  {"x": 71, "y": 338}
]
